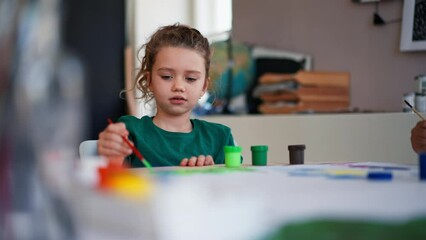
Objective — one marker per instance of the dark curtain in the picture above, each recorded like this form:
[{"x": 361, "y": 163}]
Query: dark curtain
[{"x": 95, "y": 31}]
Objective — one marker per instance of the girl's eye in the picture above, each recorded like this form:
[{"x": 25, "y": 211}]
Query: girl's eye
[
  {"x": 191, "y": 79},
  {"x": 166, "y": 77}
]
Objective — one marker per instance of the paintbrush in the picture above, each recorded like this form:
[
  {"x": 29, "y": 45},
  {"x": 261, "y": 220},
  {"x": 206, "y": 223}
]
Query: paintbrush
[
  {"x": 135, "y": 151},
  {"x": 415, "y": 110}
]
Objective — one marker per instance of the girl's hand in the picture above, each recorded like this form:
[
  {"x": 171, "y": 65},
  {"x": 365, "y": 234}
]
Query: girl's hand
[
  {"x": 418, "y": 137},
  {"x": 197, "y": 161},
  {"x": 111, "y": 143}
]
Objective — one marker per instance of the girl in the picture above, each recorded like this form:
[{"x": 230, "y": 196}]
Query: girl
[{"x": 174, "y": 72}]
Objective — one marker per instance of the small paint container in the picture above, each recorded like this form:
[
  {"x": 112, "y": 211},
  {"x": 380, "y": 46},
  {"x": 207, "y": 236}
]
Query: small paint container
[
  {"x": 232, "y": 156},
  {"x": 422, "y": 166},
  {"x": 420, "y": 102},
  {"x": 296, "y": 154},
  {"x": 259, "y": 155}
]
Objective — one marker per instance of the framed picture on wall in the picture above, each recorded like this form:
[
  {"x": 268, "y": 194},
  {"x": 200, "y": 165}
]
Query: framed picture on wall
[{"x": 413, "y": 31}]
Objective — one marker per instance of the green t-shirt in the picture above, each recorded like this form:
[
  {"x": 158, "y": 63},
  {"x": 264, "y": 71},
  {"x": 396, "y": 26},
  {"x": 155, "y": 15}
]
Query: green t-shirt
[{"x": 163, "y": 148}]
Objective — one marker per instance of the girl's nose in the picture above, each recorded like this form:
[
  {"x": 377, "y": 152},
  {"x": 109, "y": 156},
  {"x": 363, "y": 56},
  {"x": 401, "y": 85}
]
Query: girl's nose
[{"x": 178, "y": 85}]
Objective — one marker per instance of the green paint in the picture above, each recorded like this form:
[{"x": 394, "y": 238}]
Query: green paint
[
  {"x": 148, "y": 165},
  {"x": 205, "y": 170}
]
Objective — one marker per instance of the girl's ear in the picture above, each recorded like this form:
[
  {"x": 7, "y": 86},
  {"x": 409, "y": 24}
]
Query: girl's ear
[{"x": 206, "y": 86}]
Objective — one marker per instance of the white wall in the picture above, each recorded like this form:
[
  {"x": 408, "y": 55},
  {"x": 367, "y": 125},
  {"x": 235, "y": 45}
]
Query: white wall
[
  {"x": 212, "y": 16},
  {"x": 382, "y": 137},
  {"x": 150, "y": 15},
  {"x": 208, "y": 16}
]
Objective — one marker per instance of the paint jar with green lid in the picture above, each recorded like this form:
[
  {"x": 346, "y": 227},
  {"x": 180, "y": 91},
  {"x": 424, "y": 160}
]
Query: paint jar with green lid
[
  {"x": 259, "y": 155},
  {"x": 232, "y": 156}
]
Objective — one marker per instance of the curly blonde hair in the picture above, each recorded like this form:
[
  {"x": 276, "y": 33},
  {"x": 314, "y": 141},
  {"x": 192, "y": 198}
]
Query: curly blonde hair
[{"x": 170, "y": 36}]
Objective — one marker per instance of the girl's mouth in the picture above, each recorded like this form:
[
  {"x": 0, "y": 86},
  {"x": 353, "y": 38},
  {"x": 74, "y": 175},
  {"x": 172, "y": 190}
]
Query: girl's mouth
[{"x": 177, "y": 100}]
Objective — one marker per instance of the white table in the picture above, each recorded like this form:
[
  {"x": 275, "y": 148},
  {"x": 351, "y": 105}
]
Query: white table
[{"x": 252, "y": 203}]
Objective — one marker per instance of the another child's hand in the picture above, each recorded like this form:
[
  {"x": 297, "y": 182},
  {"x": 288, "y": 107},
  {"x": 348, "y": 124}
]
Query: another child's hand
[
  {"x": 197, "y": 161},
  {"x": 418, "y": 137},
  {"x": 111, "y": 143}
]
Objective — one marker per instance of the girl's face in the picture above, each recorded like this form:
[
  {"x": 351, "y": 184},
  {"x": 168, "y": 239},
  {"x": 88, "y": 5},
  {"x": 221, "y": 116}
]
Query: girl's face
[{"x": 178, "y": 80}]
